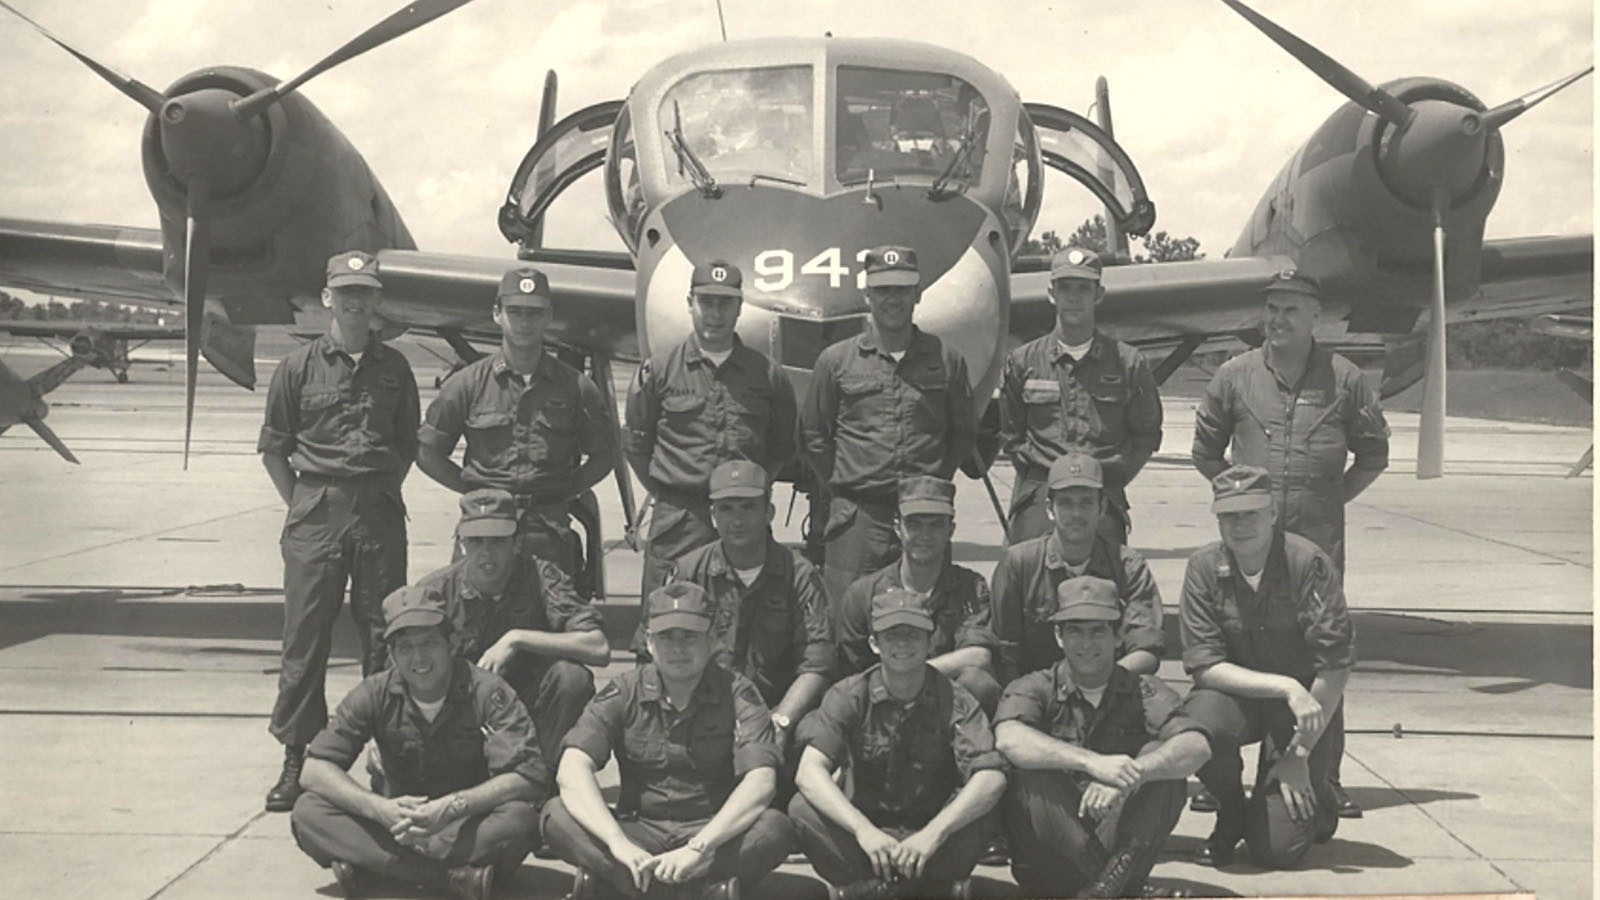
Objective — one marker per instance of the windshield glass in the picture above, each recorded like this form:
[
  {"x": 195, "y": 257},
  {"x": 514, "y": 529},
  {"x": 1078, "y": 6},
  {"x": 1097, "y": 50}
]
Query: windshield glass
[
  {"x": 741, "y": 123},
  {"x": 896, "y": 122}
]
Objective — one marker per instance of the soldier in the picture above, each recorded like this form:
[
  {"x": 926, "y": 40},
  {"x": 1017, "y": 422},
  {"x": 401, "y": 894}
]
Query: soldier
[
  {"x": 1299, "y": 412},
  {"x": 698, "y": 762},
  {"x": 1268, "y": 640},
  {"x": 922, "y": 773},
  {"x": 708, "y": 400},
  {"x": 1076, "y": 388},
  {"x": 964, "y": 644},
  {"x": 465, "y": 777},
  {"x": 338, "y": 441},
  {"x": 518, "y": 617},
  {"x": 528, "y": 418},
  {"x": 1029, "y": 574},
  {"x": 1099, "y": 757},
  {"x": 891, "y": 402}
]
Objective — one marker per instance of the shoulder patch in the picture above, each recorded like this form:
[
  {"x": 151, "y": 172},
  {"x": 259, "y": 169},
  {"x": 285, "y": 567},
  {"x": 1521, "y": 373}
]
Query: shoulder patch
[{"x": 499, "y": 698}]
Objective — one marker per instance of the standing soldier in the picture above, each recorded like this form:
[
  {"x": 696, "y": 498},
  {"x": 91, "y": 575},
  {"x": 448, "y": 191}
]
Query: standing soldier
[
  {"x": 1299, "y": 412},
  {"x": 708, "y": 400},
  {"x": 340, "y": 436},
  {"x": 891, "y": 402},
  {"x": 1076, "y": 388},
  {"x": 528, "y": 419}
]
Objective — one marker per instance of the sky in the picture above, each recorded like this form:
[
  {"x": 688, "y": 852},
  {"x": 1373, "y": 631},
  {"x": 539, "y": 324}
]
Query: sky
[{"x": 1207, "y": 107}]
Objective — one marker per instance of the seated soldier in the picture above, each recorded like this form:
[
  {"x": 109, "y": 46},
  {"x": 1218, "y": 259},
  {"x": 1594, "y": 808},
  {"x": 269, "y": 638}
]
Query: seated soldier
[
  {"x": 698, "y": 761},
  {"x": 464, "y": 773},
  {"x": 1099, "y": 759},
  {"x": 1029, "y": 574},
  {"x": 518, "y": 616},
  {"x": 1268, "y": 640},
  {"x": 923, "y": 776},
  {"x": 957, "y": 598}
]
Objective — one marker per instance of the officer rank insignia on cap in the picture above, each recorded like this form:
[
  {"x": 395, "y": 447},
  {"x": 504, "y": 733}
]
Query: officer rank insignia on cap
[{"x": 1076, "y": 257}]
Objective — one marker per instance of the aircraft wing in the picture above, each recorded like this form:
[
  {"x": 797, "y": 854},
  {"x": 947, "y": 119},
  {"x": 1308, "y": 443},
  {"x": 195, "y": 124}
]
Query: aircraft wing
[
  {"x": 68, "y": 328},
  {"x": 91, "y": 262},
  {"x": 1524, "y": 277}
]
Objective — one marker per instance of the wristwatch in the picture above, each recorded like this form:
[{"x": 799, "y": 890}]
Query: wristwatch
[
  {"x": 781, "y": 721},
  {"x": 698, "y": 845}
]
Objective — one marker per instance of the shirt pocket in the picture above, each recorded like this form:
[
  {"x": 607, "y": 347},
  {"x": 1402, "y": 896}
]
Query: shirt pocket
[
  {"x": 1042, "y": 399},
  {"x": 556, "y": 417},
  {"x": 383, "y": 401},
  {"x": 711, "y": 745},
  {"x": 859, "y": 393},
  {"x": 645, "y": 749},
  {"x": 318, "y": 402},
  {"x": 490, "y": 434}
]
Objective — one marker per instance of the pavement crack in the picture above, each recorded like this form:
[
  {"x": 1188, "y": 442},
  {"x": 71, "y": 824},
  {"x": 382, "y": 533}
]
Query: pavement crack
[{"x": 210, "y": 853}]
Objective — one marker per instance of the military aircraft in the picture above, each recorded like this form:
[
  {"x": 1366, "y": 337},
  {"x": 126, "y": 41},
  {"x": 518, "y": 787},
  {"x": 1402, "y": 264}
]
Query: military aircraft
[
  {"x": 100, "y": 345},
  {"x": 790, "y": 157}
]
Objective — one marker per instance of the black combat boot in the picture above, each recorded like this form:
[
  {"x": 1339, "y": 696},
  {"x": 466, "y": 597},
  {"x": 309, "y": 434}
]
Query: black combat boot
[{"x": 283, "y": 794}]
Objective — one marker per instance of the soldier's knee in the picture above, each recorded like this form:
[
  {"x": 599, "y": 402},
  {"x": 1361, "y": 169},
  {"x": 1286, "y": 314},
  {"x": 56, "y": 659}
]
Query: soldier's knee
[{"x": 982, "y": 685}]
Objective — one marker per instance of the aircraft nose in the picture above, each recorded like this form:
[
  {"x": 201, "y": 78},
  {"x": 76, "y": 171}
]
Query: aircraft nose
[
  {"x": 204, "y": 141},
  {"x": 1441, "y": 150}
]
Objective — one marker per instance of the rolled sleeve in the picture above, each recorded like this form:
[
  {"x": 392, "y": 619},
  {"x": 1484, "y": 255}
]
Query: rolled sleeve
[
  {"x": 600, "y": 727},
  {"x": 563, "y": 608},
  {"x": 1141, "y": 617},
  {"x": 447, "y": 416},
  {"x": 814, "y": 630},
  {"x": 1026, "y": 700},
  {"x": 352, "y": 725},
  {"x": 1163, "y": 710},
  {"x": 1328, "y": 629},
  {"x": 755, "y": 741},
  {"x": 278, "y": 431},
  {"x": 1204, "y": 643},
  {"x": 639, "y": 429},
  {"x": 828, "y": 726},
  {"x": 1213, "y": 421},
  {"x": 971, "y": 739},
  {"x": 509, "y": 743}
]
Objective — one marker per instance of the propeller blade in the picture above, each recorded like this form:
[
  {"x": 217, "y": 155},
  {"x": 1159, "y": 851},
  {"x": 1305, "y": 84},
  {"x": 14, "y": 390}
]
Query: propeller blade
[
  {"x": 1343, "y": 80},
  {"x": 1430, "y": 441},
  {"x": 142, "y": 94},
  {"x": 196, "y": 268},
  {"x": 49, "y": 436},
  {"x": 1509, "y": 110},
  {"x": 409, "y": 17}
]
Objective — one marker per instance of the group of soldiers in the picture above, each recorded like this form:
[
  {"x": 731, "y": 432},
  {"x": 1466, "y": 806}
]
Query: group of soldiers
[{"x": 892, "y": 715}]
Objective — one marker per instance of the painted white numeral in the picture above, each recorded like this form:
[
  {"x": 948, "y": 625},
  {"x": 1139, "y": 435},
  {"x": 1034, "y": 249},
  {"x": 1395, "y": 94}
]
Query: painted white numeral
[
  {"x": 827, "y": 263},
  {"x": 774, "y": 270},
  {"x": 861, "y": 273}
]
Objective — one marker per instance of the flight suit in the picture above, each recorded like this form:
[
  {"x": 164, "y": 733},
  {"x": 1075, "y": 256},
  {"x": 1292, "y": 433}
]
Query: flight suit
[
  {"x": 961, "y": 609},
  {"x": 537, "y": 596},
  {"x": 678, "y": 767},
  {"x": 685, "y": 416},
  {"x": 481, "y": 731},
  {"x": 526, "y": 436},
  {"x": 1296, "y": 624},
  {"x": 348, "y": 428},
  {"x": 1053, "y": 850},
  {"x": 1025, "y": 584},
  {"x": 904, "y": 762},
  {"x": 1106, "y": 404},
  {"x": 870, "y": 421}
]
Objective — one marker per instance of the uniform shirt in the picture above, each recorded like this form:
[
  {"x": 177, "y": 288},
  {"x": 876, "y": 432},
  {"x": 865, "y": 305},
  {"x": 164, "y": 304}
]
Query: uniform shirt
[
  {"x": 773, "y": 631},
  {"x": 1295, "y": 624},
  {"x": 686, "y": 415},
  {"x": 677, "y": 765},
  {"x": 1134, "y": 710},
  {"x": 524, "y": 435},
  {"x": 1025, "y": 583},
  {"x": 482, "y": 731},
  {"x": 907, "y": 759},
  {"x": 870, "y": 421},
  {"x": 959, "y": 604},
  {"x": 537, "y": 596},
  {"x": 1106, "y": 402},
  {"x": 334, "y": 415}
]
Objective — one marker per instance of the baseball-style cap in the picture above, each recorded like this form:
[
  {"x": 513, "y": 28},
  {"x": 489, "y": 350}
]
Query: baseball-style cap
[
  {"x": 679, "y": 605},
  {"x": 1294, "y": 281},
  {"x": 1241, "y": 488},
  {"x": 924, "y": 494},
  {"x": 353, "y": 267},
  {"x": 524, "y": 286},
  {"x": 487, "y": 512},
  {"x": 892, "y": 265},
  {"x": 717, "y": 277},
  {"x": 1075, "y": 262},
  {"x": 411, "y": 606},
  {"x": 898, "y": 606},
  {"x": 1076, "y": 469},
  {"x": 1086, "y": 598},
  {"x": 738, "y": 478}
]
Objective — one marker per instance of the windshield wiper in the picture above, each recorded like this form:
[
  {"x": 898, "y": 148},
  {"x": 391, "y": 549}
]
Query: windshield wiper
[
  {"x": 762, "y": 176},
  {"x": 962, "y": 159},
  {"x": 687, "y": 160}
]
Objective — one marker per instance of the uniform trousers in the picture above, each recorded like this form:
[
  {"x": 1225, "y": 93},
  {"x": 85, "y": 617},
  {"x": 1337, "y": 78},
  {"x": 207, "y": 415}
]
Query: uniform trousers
[
  {"x": 679, "y": 523},
  {"x": 860, "y": 539},
  {"x": 837, "y": 857},
  {"x": 502, "y": 837},
  {"x": 554, "y": 691}
]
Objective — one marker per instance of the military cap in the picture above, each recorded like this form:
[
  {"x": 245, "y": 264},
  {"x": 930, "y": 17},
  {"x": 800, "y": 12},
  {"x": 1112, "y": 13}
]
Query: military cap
[
  {"x": 679, "y": 605},
  {"x": 1241, "y": 488},
  {"x": 898, "y": 606},
  {"x": 1075, "y": 262},
  {"x": 411, "y": 606},
  {"x": 891, "y": 265},
  {"x": 487, "y": 512},
  {"x": 738, "y": 478},
  {"x": 351, "y": 268},
  {"x": 922, "y": 494},
  {"x": 1086, "y": 598},
  {"x": 1075, "y": 469},
  {"x": 717, "y": 278},
  {"x": 524, "y": 286},
  {"x": 1294, "y": 281}
]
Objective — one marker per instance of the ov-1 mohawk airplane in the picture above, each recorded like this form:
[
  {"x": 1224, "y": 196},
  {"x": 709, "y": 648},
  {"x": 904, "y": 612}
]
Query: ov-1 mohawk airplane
[{"x": 790, "y": 157}]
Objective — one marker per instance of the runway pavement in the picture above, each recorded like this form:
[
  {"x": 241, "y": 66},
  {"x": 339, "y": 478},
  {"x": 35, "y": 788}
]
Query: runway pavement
[{"x": 140, "y": 611}]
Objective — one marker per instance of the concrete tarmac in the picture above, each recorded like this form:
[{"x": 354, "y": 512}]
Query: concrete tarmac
[{"x": 140, "y": 611}]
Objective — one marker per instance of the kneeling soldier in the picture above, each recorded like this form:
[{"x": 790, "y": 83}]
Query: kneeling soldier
[
  {"x": 1099, "y": 754},
  {"x": 463, "y": 770},
  {"x": 698, "y": 761},
  {"x": 922, "y": 759}
]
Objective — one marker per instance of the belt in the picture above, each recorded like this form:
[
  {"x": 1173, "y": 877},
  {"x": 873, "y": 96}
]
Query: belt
[{"x": 365, "y": 479}]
